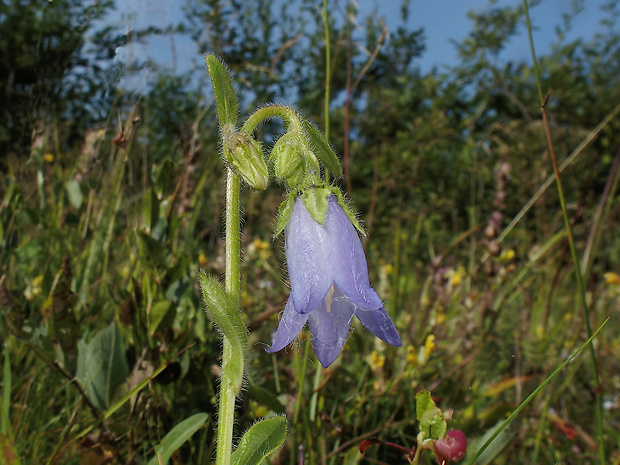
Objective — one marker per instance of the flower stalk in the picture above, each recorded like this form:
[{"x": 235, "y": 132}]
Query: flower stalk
[{"x": 229, "y": 386}]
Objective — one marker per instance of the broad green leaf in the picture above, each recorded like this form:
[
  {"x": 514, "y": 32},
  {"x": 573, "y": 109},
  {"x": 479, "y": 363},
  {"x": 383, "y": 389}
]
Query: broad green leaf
[
  {"x": 259, "y": 441},
  {"x": 176, "y": 437},
  {"x": 321, "y": 148},
  {"x": 74, "y": 193},
  {"x": 101, "y": 366},
  {"x": 223, "y": 90},
  {"x": 228, "y": 318},
  {"x": 161, "y": 316},
  {"x": 315, "y": 201}
]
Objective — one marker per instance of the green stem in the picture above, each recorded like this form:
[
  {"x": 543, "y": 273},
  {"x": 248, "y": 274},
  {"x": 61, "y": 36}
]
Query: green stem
[
  {"x": 327, "y": 68},
  {"x": 327, "y": 77},
  {"x": 288, "y": 114},
  {"x": 571, "y": 241},
  {"x": 228, "y": 388}
]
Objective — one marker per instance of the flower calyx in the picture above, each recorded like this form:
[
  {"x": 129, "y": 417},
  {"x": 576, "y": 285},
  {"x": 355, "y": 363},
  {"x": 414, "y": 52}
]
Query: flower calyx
[{"x": 315, "y": 197}]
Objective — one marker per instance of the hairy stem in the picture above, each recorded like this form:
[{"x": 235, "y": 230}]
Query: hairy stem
[{"x": 228, "y": 388}]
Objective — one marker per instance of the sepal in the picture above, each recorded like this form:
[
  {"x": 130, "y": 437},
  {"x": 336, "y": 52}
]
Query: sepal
[
  {"x": 320, "y": 147},
  {"x": 315, "y": 201},
  {"x": 285, "y": 210}
]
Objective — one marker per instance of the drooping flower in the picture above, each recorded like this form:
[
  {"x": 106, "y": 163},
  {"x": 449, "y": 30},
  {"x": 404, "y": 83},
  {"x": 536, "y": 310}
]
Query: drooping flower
[
  {"x": 451, "y": 448},
  {"x": 329, "y": 283}
]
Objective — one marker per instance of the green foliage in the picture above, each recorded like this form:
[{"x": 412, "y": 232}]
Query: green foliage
[
  {"x": 260, "y": 441},
  {"x": 116, "y": 209},
  {"x": 176, "y": 437},
  {"x": 101, "y": 366},
  {"x": 44, "y": 50}
]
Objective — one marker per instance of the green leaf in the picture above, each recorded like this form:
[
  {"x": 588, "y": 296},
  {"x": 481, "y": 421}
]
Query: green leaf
[
  {"x": 161, "y": 316},
  {"x": 223, "y": 90},
  {"x": 321, "y": 148},
  {"x": 74, "y": 193},
  {"x": 164, "y": 177},
  {"x": 315, "y": 200},
  {"x": 423, "y": 402},
  {"x": 151, "y": 250},
  {"x": 176, "y": 437},
  {"x": 433, "y": 424},
  {"x": 259, "y": 441},
  {"x": 150, "y": 210},
  {"x": 285, "y": 210},
  {"x": 228, "y": 318},
  {"x": 101, "y": 366}
]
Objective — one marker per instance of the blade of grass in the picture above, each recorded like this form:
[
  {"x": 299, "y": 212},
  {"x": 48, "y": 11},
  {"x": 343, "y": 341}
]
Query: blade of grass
[
  {"x": 573, "y": 250},
  {"x": 5, "y": 424},
  {"x": 535, "y": 393},
  {"x": 586, "y": 141}
]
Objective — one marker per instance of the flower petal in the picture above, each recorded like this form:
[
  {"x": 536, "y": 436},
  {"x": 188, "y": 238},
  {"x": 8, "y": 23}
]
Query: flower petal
[
  {"x": 289, "y": 327},
  {"x": 309, "y": 253},
  {"x": 349, "y": 262},
  {"x": 380, "y": 324},
  {"x": 329, "y": 325}
]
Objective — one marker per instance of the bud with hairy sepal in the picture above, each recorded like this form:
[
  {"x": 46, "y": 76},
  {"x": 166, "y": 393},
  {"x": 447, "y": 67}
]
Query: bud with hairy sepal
[
  {"x": 244, "y": 155},
  {"x": 291, "y": 159},
  {"x": 287, "y": 161}
]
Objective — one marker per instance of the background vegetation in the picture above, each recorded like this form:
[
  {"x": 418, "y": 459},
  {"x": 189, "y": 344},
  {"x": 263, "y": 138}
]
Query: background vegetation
[{"x": 112, "y": 200}]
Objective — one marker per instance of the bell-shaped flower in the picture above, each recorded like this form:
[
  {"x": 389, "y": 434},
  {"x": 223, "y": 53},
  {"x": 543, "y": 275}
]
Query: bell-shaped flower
[{"x": 329, "y": 283}]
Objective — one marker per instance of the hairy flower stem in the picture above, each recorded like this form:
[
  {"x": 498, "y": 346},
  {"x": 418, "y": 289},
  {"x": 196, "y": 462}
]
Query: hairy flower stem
[
  {"x": 228, "y": 388},
  {"x": 288, "y": 114}
]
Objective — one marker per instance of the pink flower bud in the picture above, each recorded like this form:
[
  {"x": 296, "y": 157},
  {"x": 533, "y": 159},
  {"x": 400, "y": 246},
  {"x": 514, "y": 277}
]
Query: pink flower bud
[{"x": 451, "y": 448}]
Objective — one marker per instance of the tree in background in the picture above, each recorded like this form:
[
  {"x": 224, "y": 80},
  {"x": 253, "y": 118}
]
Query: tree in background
[{"x": 54, "y": 63}]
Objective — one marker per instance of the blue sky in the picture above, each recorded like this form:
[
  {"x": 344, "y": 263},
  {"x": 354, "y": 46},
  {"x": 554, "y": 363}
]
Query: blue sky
[{"x": 443, "y": 21}]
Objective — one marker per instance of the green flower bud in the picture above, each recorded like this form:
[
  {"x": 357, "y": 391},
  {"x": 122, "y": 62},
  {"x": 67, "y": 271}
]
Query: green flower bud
[
  {"x": 244, "y": 154},
  {"x": 285, "y": 157}
]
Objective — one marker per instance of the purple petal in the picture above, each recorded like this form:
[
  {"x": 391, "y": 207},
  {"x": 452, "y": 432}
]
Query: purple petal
[
  {"x": 318, "y": 255},
  {"x": 329, "y": 325},
  {"x": 289, "y": 327},
  {"x": 379, "y": 323},
  {"x": 309, "y": 254},
  {"x": 349, "y": 262}
]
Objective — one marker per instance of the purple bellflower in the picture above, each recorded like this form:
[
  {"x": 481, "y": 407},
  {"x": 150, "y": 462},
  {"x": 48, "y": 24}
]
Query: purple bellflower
[{"x": 329, "y": 284}]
